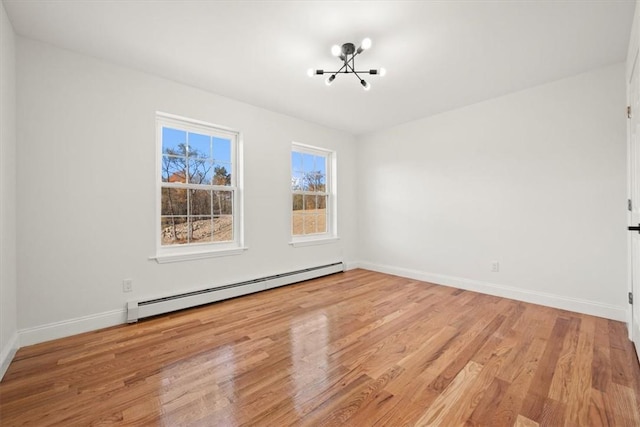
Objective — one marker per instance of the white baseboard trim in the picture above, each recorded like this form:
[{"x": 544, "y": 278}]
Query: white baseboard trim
[
  {"x": 65, "y": 328},
  {"x": 550, "y": 300},
  {"x": 6, "y": 356},
  {"x": 70, "y": 327},
  {"x": 351, "y": 265}
]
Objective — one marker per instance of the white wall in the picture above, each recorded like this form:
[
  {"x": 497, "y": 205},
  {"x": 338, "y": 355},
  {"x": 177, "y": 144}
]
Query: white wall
[
  {"x": 8, "y": 282},
  {"x": 534, "y": 180},
  {"x": 86, "y": 190}
]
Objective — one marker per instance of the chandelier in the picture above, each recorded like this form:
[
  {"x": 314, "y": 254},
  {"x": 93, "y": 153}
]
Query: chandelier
[{"x": 347, "y": 54}]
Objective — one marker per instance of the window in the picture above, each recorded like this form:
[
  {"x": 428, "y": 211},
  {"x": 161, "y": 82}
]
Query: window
[
  {"x": 313, "y": 216},
  {"x": 199, "y": 200}
]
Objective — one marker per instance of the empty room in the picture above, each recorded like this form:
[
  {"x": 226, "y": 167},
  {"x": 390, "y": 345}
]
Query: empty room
[{"x": 309, "y": 213}]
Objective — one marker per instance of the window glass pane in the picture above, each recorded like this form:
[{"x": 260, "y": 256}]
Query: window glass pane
[
  {"x": 307, "y": 180},
  {"x": 174, "y": 201},
  {"x": 322, "y": 202},
  {"x": 310, "y": 203},
  {"x": 223, "y": 228},
  {"x": 200, "y": 171},
  {"x": 321, "y": 224},
  {"x": 201, "y": 229},
  {"x": 221, "y": 150},
  {"x": 315, "y": 181},
  {"x": 297, "y": 181},
  {"x": 199, "y": 146},
  {"x": 174, "y": 169},
  {"x": 322, "y": 184},
  {"x": 296, "y": 161},
  {"x": 222, "y": 203},
  {"x": 200, "y": 202},
  {"x": 310, "y": 224},
  {"x": 173, "y": 230},
  {"x": 221, "y": 173},
  {"x": 321, "y": 165},
  {"x": 321, "y": 219},
  {"x": 307, "y": 163},
  {"x": 174, "y": 141},
  {"x": 296, "y": 224},
  {"x": 309, "y": 175}
]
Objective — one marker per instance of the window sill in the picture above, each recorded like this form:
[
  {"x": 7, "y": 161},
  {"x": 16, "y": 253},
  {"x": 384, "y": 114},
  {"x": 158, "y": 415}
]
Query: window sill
[
  {"x": 189, "y": 256},
  {"x": 313, "y": 242}
]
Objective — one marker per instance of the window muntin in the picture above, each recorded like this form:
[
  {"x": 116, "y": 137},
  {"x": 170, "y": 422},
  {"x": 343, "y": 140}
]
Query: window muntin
[
  {"x": 311, "y": 187},
  {"x": 199, "y": 201}
]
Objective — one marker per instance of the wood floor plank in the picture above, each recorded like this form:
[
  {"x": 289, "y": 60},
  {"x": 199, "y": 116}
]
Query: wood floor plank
[
  {"x": 554, "y": 414},
  {"x": 560, "y": 382},
  {"x": 623, "y": 403},
  {"x": 358, "y": 349},
  {"x": 443, "y": 380},
  {"x": 601, "y": 366},
  {"x": 525, "y": 422},
  {"x": 539, "y": 388},
  {"x": 599, "y": 412},
  {"x": 487, "y": 407},
  {"x": 579, "y": 393},
  {"x": 358, "y": 400},
  {"x": 447, "y": 400},
  {"x": 510, "y": 406},
  {"x": 469, "y": 401}
]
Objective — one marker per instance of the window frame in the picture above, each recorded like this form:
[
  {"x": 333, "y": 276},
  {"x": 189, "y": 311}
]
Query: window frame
[
  {"x": 331, "y": 235},
  {"x": 199, "y": 250}
]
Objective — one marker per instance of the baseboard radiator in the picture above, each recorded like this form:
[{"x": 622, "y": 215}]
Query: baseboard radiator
[{"x": 152, "y": 307}]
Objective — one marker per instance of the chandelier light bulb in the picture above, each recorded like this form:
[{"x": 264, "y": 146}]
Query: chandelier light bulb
[
  {"x": 366, "y": 43},
  {"x": 336, "y": 50},
  {"x": 330, "y": 79},
  {"x": 382, "y": 72},
  {"x": 310, "y": 72},
  {"x": 365, "y": 85}
]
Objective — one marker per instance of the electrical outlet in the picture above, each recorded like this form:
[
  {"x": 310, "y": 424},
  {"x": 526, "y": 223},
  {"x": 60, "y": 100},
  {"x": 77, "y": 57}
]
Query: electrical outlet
[
  {"x": 127, "y": 285},
  {"x": 495, "y": 266}
]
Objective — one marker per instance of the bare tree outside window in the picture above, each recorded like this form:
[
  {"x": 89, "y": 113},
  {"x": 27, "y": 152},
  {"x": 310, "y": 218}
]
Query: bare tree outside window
[
  {"x": 197, "y": 193},
  {"x": 310, "y": 191}
]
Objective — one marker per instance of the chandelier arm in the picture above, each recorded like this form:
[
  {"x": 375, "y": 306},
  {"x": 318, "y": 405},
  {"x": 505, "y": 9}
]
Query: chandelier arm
[
  {"x": 337, "y": 72},
  {"x": 334, "y": 74},
  {"x": 347, "y": 72},
  {"x": 357, "y": 75},
  {"x": 353, "y": 70}
]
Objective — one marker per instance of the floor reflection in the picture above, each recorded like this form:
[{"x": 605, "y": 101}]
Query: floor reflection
[
  {"x": 309, "y": 338},
  {"x": 199, "y": 387}
]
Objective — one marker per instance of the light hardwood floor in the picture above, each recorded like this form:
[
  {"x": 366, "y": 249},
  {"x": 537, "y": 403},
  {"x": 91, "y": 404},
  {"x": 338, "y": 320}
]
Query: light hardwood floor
[{"x": 356, "y": 348}]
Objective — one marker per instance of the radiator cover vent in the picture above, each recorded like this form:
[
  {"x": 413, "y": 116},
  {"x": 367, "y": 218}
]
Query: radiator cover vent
[{"x": 144, "y": 308}]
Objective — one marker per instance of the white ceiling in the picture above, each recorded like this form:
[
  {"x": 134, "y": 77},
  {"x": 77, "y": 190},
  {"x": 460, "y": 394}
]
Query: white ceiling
[{"x": 439, "y": 55}]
